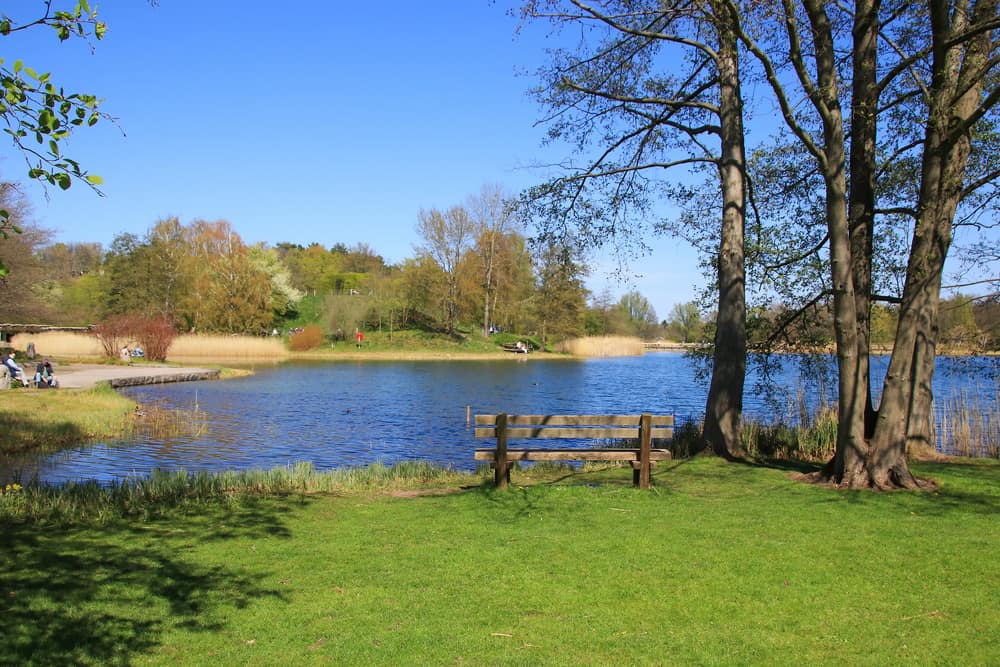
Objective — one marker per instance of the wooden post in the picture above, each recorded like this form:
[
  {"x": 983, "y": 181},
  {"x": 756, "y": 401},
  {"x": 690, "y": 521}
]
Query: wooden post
[
  {"x": 645, "y": 442},
  {"x": 501, "y": 473},
  {"x": 468, "y": 414}
]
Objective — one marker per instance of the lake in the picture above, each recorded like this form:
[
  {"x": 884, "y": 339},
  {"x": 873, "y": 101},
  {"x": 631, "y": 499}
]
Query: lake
[{"x": 354, "y": 413}]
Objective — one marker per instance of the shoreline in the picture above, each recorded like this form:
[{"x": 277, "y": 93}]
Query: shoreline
[{"x": 87, "y": 376}]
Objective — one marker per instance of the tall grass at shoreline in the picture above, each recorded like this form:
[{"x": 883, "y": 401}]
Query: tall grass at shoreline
[
  {"x": 966, "y": 428},
  {"x": 602, "y": 346},
  {"x": 148, "y": 496}
]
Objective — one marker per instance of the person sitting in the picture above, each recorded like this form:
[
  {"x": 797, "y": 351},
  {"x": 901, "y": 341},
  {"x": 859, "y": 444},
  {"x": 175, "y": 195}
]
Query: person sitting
[
  {"x": 44, "y": 376},
  {"x": 137, "y": 352},
  {"x": 16, "y": 372},
  {"x": 126, "y": 355}
]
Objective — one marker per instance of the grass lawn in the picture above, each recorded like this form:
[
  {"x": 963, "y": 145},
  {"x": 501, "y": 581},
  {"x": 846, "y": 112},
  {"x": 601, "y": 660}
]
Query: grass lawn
[
  {"x": 719, "y": 564},
  {"x": 48, "y": 420}
]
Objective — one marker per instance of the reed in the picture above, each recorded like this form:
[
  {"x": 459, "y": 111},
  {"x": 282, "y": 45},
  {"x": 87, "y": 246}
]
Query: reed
[
  {"x": 969, "y": 426},
  {"x": 164, "y": 490},
  {"x": 60, "y": 344},
  {"x": 602, "y": 346},
  {"x": 199, "y": 347}
]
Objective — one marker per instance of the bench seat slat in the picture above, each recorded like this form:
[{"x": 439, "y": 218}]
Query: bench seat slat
[
  {"x": 578, "y": 433},
  {"x": 574, "y": 420},
  {"x": 541, "y": 454}
]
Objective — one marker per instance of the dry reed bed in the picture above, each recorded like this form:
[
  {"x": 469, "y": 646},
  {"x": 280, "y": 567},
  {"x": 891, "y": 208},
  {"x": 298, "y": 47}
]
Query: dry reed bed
[
  {"x": 60, "y": 344},
  {"x": 602, "y": 346},
  {"x": 194, "y": 347}
]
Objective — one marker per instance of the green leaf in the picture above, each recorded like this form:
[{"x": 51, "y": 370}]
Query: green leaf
[
  {"x": 3, "y": 270},
  {"x": 45, "y": 119},
  {"x": 63, "y": 32},
  {"x": 54, "y": 147},
  {"x": 18, "y": 64},
  {"x": 64, "y": 181},
  {"x": 5, "y": 27},
  {"x": 94, "y": 179},
  {"x": 99, "y": 29}
]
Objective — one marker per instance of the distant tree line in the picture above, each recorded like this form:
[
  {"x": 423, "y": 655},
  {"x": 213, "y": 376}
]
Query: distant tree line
[{"x": 473, "y": 268}]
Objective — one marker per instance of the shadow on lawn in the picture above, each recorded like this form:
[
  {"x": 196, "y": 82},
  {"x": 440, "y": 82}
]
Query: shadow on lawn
[
  {"x": 964, "y": 487},
  {"x": 30, "y": 433},
  {"x": 106, "y": 595}
]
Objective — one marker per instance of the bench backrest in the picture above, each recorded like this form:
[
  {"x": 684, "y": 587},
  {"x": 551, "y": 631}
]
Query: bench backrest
[{"x": 574, "y": 426}]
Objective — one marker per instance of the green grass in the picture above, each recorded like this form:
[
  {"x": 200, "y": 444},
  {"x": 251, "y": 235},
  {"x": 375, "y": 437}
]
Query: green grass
[
  {"x": 720, "y": 564},
  {"x": 55, "y": 419}
]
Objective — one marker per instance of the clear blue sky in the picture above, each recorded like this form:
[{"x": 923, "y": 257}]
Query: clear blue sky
[{"x": 306, "y": 122}]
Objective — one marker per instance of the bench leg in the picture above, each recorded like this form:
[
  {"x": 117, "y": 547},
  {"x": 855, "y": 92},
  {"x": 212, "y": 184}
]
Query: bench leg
[
  {"x": 501, "y": 465},
  {"x": 501, "y": 474}
]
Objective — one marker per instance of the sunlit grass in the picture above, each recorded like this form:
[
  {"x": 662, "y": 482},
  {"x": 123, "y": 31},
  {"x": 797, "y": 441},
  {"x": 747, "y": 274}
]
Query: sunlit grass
[
  {"x": 602, "y": 346},
  {"x": 579, "y": 571},
  {"x": 157, "y": 493},
  {"x": 32, "y": 420}
]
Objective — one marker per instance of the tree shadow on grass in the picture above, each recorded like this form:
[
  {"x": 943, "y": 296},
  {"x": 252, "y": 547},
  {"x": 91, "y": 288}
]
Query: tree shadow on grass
[
  {"x": 960, "y": 486},
  {"x": 105, "y": 595}
]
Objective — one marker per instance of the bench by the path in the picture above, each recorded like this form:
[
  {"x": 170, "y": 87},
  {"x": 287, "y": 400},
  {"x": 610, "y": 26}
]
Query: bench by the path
[{"x": 645, "y": 428}]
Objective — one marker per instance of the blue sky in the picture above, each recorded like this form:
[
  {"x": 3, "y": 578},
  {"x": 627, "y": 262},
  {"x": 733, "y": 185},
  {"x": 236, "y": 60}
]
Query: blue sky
[{"x": 326, "y": 122}]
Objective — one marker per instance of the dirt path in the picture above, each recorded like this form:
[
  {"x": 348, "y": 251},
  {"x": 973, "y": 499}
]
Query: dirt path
[{"x": 84, "y": 376}]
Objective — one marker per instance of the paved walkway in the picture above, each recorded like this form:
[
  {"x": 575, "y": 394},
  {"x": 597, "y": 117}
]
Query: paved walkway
[{"x": 82, "y": 376}]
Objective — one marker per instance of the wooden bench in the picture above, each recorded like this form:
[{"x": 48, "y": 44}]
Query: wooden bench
[{"x": 645, "y": 428}]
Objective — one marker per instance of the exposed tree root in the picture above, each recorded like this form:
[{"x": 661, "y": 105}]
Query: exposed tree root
[{"x": 867, "y": 482}]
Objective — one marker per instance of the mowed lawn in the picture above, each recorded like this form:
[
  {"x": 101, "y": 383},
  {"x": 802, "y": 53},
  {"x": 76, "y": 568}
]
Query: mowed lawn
[{"x": 719, "y": 564}]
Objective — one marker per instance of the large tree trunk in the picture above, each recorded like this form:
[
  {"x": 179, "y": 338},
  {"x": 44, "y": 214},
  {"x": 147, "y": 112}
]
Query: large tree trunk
[
  {"x": 861, "y": 197},
  {"x": 848, "y": 464},
  {"x": 956, "y": 97},
  {"x": 723, "y": 428}
]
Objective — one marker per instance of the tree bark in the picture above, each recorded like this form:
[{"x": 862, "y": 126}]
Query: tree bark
[
  {"x": 861, "y": 196},
  {"x": 723, "y": 428},
  {"x": 848, "y": 464},
  {"x": 956, "y": 98}
]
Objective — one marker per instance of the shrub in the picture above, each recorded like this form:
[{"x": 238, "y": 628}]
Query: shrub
[
  {"x": 154, "y": 334},
  {"x": 309, "y": 338},
  {"x": 113, "y": 334}
]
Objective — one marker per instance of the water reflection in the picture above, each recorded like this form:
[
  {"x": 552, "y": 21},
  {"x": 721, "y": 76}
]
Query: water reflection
[{"x": 354, "y": 413}]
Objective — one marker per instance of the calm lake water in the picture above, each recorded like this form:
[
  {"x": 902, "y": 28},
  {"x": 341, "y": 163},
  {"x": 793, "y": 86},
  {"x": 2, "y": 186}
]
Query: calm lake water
[{"x": 355, "y": 413}]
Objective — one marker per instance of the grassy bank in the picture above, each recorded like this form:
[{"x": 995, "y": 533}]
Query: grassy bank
[
  {"x": 721, "y": 564},
  {"x": 55, "y": 419}
]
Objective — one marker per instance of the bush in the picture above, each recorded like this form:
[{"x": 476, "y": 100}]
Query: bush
[
  {"x": 154, "y": 334},
  {"x": 309, "y": 338},
  {"x": 113, "y": 334}
]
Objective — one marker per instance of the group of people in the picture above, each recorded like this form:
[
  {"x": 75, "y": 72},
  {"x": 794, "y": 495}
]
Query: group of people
[
  {"x": 44, "y": 376},
  {"x": 127, "y": 353}
]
